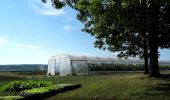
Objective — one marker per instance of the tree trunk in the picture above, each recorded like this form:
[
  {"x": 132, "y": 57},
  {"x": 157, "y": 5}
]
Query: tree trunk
[
  {"x": 145, "y": 55},
  {"x": 153, "y": 46},
  {"x": 146, "y": 61}
]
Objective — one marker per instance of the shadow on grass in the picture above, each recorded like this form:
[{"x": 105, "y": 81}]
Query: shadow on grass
[
  {"x": 158, "y": 87},
  {"x": 165, "y": 77},
  {"x": 162, "y": 88}
]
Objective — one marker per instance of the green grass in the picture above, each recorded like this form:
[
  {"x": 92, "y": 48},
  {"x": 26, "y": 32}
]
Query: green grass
[
  {"x": 129, "y": 86},
  {"x": 120, "y": 87}
]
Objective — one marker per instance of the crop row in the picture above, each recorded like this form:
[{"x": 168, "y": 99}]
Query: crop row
[{"x": 120, "y": 67}]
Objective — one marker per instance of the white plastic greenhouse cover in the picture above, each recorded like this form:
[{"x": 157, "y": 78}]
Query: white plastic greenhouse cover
[{"x": 66, "y": 64}]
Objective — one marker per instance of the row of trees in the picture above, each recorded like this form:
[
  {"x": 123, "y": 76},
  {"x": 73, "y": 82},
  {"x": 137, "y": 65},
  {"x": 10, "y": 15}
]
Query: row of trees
[{"x": 135, "y": 28}]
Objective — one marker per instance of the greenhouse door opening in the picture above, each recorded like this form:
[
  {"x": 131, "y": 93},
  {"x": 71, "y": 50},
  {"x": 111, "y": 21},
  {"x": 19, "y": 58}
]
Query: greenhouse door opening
[
  {"x": 79, "y": 68},
  {"x": 51, "y": 67}
]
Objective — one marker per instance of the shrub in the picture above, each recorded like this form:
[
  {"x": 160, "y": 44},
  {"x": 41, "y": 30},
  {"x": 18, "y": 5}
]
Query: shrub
[{"x": 20, "y": 85}]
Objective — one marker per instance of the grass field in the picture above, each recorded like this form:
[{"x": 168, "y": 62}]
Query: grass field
[{"x": 129, "y": 86}]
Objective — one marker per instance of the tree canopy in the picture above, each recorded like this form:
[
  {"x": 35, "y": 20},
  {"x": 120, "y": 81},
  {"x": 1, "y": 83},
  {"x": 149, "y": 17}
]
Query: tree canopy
[{"x": 132, "y": 27}]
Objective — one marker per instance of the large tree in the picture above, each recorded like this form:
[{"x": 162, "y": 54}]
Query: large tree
[{"x": 133, "y": 27}]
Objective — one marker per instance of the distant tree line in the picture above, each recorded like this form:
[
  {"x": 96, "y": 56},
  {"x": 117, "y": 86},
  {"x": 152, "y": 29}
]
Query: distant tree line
[{"x": 24, "y": 67}]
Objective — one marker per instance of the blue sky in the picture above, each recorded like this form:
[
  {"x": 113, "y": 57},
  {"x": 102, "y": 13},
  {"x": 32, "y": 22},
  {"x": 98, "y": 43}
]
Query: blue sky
[{"x": 31, "y": 32}]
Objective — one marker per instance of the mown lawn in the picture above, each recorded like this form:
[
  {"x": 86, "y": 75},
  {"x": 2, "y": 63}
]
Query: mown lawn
[{"x": 128, "y": 86}]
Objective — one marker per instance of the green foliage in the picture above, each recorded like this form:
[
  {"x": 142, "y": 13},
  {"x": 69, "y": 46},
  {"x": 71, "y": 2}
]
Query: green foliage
[
  {"x": 164, "y": 67},
  {"x": 47, "y": 91},
  {"x": 120, "y": 67},
  {"x": 115, "y": 67},
  {"x": 10, "y": 97},
  {"x": 39, "y": 90},
  {"x": 23, "y": 85},
  {"x": 56, "y": 3}
]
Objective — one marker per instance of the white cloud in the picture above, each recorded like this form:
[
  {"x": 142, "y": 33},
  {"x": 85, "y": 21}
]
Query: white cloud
[
  {"x": 45, "y": 8},
  {"x": 28, "y": 46},
  {"x": 3, "y": 40},
  {"x": 69, "y": 28}
]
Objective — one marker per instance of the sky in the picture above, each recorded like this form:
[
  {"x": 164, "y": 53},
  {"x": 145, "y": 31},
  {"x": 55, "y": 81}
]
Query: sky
[{"x": 31, "y": 32}]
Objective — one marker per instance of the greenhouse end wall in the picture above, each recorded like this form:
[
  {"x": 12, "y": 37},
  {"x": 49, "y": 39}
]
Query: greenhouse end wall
[{"x": 67, "y": 65}]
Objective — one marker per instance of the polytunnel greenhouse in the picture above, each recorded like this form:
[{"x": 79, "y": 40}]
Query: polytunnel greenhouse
[{"x": 65, "y": 64}]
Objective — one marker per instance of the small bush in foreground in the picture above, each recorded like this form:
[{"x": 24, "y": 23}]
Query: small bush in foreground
[{"x": 20, "y": 85}]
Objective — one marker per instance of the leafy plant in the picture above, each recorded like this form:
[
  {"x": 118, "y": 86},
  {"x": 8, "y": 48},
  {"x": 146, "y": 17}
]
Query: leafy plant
[
  {"x": 10, "y": 97},
  {"x": 41, "y": 90},
  {"x": 23, "y": 85},
  {"x": 38, "y": 90}
]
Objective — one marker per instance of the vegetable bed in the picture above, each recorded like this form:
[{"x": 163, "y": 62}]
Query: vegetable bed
[{"x": 33, "y": 90}]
